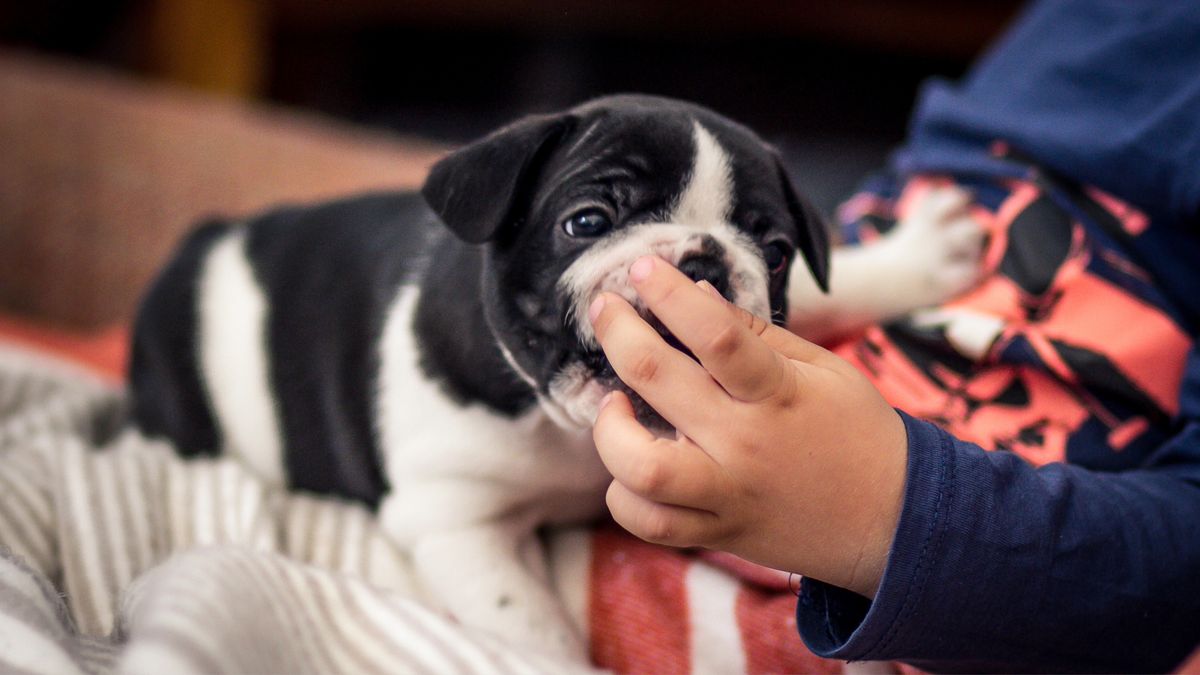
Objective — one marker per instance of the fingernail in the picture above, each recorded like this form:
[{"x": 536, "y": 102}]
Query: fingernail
[
  {"x": 641, "y": 268},
  {"x": 600, "y": 408},
  {"x": 710, "y": 289},
  {"x": 596, "y": 307}
]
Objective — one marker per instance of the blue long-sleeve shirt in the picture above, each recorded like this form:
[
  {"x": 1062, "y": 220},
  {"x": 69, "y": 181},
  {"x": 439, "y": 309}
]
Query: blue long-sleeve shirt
[
  {"x": 1000, "y": 564},
  {"x": 1104, "y": 91}
]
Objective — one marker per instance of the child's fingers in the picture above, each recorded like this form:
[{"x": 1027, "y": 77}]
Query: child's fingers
[
  {"x": 804, "y": 357},
  {"x": 661, "y": 523},
  {"x": 673, "y": 384},
  {"x": 778, "y": 338},
  {"x": 674, "y": 472},
  {"x": 726, "y": 342}
]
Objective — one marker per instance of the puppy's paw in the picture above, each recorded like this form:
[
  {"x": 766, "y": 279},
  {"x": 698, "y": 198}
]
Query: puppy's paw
[
  {"x": 932, "y": 255},
  {"x": 937, "y": 248}
]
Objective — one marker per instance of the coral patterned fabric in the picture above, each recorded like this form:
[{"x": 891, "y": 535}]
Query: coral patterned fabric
[{"x": 1065, "y": 352}]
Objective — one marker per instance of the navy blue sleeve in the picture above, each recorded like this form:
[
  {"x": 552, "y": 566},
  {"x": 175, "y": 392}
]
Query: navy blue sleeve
[
  {"x": 1102, "y": 91},
  {"x": 998, "y": 565}
]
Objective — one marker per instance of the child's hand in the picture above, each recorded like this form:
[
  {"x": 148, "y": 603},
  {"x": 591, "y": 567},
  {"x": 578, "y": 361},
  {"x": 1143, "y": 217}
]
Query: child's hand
[{"x": 785, "y": 454}]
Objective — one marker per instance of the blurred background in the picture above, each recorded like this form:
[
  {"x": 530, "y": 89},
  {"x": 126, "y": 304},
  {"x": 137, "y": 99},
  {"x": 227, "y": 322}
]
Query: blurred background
[{"x": 124, "y": 121}]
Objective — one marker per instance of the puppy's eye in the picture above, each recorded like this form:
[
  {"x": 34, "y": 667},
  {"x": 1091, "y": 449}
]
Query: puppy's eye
[
  {"x": 588, "y": 223},
  {"x": 776, "y": 256}
]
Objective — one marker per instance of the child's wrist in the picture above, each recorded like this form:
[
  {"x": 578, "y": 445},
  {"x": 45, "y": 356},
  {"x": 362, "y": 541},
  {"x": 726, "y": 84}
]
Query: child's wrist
[{"x": 882, "y": 510}]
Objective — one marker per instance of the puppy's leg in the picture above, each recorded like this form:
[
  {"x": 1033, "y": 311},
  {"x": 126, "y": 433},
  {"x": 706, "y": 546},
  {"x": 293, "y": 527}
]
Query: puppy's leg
[
  {"x": 476, "y": 554},
  {"x": 932, "y": 255},
  {"x": 493, "y": 576}
]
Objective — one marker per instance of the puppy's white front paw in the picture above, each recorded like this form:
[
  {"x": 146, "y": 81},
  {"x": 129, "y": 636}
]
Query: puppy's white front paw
[
  {"x": 932, "y": 255},
  {"x": 937, "y": 248},
  {"x": 477, "y": 575}
]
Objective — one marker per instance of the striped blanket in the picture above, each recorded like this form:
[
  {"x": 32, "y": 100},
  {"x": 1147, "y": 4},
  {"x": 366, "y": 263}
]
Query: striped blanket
[{"x": 118, "y": 556}]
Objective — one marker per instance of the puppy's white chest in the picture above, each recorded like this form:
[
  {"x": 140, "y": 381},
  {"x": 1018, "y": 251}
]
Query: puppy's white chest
[{"x": 450, "y": 465}]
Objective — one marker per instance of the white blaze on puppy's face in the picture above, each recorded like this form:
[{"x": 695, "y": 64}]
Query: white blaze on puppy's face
[{"x": 698, "y": 219}]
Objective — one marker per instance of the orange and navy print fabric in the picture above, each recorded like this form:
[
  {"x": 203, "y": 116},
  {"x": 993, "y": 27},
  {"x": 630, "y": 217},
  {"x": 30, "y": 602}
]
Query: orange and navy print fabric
[{"x": 1066, "y": 350}]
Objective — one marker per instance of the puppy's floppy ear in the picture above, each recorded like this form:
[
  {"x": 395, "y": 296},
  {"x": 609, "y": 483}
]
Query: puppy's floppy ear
[
  {"x": 812, "y": 234},
  {"x": 476, "y": 188}
]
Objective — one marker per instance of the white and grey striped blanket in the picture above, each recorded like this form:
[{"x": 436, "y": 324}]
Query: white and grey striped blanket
[{"x": 117, "y": 556}]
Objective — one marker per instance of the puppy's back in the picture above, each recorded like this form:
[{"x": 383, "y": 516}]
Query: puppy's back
[{"x": 260, "y": 338}]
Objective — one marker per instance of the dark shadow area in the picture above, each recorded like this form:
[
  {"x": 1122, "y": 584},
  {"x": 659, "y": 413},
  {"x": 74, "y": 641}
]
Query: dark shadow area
[
  {"x": 834, "y": 106},
  {"x": 834, "y": 110}
]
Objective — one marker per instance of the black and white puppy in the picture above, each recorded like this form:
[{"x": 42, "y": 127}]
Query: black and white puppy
[{"x": 431, "y": 354}]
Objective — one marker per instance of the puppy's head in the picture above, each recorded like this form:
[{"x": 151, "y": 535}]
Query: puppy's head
[{"x": 564, "y": 204}]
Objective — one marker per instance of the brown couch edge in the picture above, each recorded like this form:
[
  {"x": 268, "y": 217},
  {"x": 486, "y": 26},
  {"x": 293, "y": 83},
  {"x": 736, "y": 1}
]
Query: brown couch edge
[{"x": 102, "y": 173}]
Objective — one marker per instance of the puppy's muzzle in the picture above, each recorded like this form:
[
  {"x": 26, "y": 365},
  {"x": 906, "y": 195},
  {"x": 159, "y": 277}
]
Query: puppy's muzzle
[
  {"x": 710, "y": 268},
  {"x": 697, "y": 267}
]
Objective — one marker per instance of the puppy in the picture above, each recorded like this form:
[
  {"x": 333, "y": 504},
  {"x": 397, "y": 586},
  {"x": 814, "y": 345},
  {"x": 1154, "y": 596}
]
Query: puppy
[{"x": 430, "y": 354}]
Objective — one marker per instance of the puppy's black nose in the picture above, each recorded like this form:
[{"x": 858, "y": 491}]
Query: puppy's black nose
[{"x": 708, "y": 268}]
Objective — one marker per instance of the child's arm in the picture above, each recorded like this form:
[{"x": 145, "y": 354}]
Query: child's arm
[
  {"x": 994, "y": 564},
  {"x": 787, "y": 456}
]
